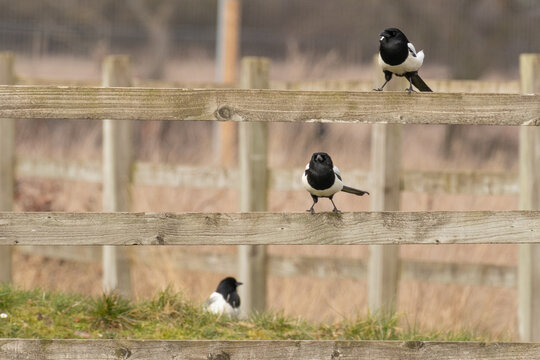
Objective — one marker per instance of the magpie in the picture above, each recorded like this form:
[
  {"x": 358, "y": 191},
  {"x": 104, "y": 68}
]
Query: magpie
[
  {"x": 225, "y": 299},
  {"x": 322, "y": 179},
  {"x": 398, "y": 56}
]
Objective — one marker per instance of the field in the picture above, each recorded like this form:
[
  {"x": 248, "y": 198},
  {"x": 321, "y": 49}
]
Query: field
[{"x": 431, "y": 306}]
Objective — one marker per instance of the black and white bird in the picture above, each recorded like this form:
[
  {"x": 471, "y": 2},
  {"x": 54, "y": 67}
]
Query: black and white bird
[
  {"x": 399, "y": 57},
  {"x": 322, "y": 179},
  {"x": 225, "y": 299}
]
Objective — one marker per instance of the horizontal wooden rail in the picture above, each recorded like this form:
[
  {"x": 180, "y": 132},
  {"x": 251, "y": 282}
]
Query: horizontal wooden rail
[
  {"x": 361, "y": 228},
  {"x": 289, "y": 266},
  {"x": 267, "y": 105},
  {"x": 468, "y": 86},
  {"x": 257, "y": 349},
  {"x": 478, "y": 183}
]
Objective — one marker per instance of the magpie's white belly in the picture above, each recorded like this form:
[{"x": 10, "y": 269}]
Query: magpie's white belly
[
  {"x": 409, "y": 65},
  {"x": 336, "y": 187},
  {"x": 218, "y": 305}
]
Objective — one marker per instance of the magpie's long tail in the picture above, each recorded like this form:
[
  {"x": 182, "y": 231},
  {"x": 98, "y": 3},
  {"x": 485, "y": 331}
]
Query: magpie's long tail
[
  {"x": 419, "y": 83},
  {"x": 354, "y": 191}
]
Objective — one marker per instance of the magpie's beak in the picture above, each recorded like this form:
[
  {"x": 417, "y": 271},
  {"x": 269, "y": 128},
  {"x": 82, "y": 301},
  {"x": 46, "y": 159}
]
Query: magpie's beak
[
  {"x": 239, "y": 283},
  {"x": 319, "y": 158}
]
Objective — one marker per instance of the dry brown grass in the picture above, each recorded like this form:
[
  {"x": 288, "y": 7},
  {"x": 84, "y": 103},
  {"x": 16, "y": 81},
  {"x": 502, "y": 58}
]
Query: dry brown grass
[{"x": 438, "y": 306}]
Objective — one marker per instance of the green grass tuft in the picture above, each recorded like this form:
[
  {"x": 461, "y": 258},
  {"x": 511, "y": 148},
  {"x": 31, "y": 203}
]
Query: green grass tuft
[
  {"x": 169, "y": 315},
  {"x": 110, "y": 311}
]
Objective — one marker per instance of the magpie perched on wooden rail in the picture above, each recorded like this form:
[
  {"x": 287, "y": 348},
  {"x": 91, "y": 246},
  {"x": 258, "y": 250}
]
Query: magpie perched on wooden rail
[
  {"x": 322, "y": 179},
  {"x": 399, "y": 57},
  {"x": 225, "y": 299}
]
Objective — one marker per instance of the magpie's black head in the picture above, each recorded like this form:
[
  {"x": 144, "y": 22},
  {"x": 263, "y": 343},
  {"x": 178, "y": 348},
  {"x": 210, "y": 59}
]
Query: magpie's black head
[
  {"x": 392, "y": 34},
  {"x": 321, "y": 158},
  {"x": 227, "y": 286}
]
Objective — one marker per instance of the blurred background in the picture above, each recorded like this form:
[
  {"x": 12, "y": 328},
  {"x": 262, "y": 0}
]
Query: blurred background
[
  {"x": 466, "y": 39},
  {"x": 174, "y": 41}
]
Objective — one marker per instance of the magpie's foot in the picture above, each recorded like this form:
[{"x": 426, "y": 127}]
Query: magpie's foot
[
  {"x": 336, "y": 210},
  {"x": 377, "y": 89},
  {"x": 311, "y": 211},
  {"x": 410, "y": 90}
]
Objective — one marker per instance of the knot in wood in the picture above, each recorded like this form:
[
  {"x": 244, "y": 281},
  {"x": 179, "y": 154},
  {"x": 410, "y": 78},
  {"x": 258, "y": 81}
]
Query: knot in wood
[
  {"x": 160, "y": 239},
  {"x": 335, "y": 354},
  {"x": 123, "y": 353},
  {"x": 414, "y": 344},
  {"x": 221, "y": 356},
  {"x": 224, "y": 113}
]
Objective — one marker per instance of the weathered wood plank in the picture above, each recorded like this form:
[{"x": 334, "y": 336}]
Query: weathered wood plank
[
  {"x": 117, "y": 160},
  {"x": 386, "y": 153},
  {"x": 475, "y": 227},
  {"x": 255, "y": 349},
  {"x": 529, "y": 173},
  {"x": 267, "y": 105},
  {"x": 253, "y": 164},
  {"x": 7, "y": 164}
]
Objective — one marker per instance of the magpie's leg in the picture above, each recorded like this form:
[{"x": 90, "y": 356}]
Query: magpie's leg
[
  {"x": 335, "y": 208},
  {"x": 408, "y": 76},
  {"x": 315, "y": 199},
  {"x": 387, "y": 77}
]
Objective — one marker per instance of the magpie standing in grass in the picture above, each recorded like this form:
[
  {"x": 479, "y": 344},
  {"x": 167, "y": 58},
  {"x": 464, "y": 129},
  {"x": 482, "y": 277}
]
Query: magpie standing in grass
[
  {"x": 322, "y": 179},
  {"x": 225, "y": 299},
  {"x": 398, "y": 56}
]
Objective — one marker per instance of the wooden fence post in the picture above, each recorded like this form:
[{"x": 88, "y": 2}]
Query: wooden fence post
[
  {"x": 117, "y": 160},
  {"x": 253, "y": 144},
  {"x": 529, "y": 199},
  {"x": 383, "y": 265},
  {"x": 227, "y": 49},
  {"x": 7, "y": 163}
]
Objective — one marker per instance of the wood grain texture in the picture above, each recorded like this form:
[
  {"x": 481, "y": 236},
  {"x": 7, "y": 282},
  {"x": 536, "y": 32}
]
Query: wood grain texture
[
  {"x": 290, "y": 266},
  {"x": 475, "y": 227},
  {"x": 23, "y": 349},
  {"x": 267, "y": 105}
]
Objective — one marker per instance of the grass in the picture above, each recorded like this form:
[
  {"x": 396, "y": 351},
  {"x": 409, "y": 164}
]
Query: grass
[{"x": 168, "y": 315}]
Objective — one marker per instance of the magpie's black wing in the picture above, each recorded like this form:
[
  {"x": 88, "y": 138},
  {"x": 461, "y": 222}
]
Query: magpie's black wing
[
  {"x": 337, "y": 172},
  {"x": 234, "y": 299},
  {"x": 419, "y": 83}
]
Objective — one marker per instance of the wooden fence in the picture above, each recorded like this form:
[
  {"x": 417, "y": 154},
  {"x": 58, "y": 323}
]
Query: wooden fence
[
  {"x": 277, "y": 349},
  {"x": 262, "y": 106}
]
